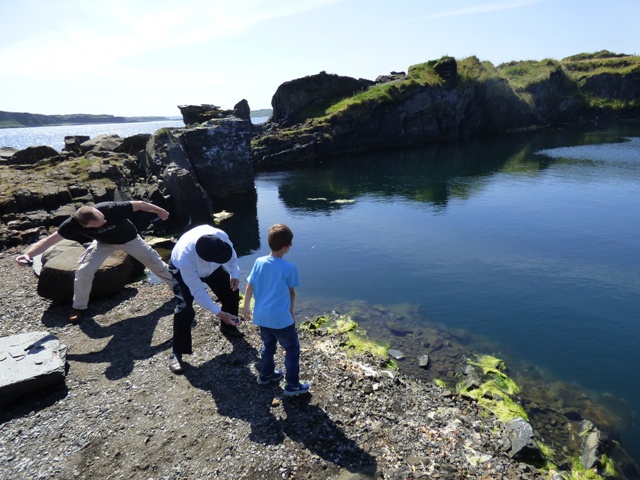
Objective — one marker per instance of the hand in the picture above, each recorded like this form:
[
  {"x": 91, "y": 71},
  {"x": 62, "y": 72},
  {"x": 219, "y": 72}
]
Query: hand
[
  {"x": 248, "y": 314},
  {"x": 24, "y": 260},
  {"x": 163, "y": 214},
  {"x": 234, "y": 284},
  {"x": 228, "y": 318}
]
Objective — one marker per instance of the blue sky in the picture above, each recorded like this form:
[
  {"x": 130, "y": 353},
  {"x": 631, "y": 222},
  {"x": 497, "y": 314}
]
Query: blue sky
[{"x": 145, "y": 57}]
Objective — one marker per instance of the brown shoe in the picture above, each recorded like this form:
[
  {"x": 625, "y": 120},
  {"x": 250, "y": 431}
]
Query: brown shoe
[{"x": 76, "y": 315}]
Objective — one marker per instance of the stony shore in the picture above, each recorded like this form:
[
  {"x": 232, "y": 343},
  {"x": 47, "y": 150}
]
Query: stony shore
[{"x": 122, "y": 414}]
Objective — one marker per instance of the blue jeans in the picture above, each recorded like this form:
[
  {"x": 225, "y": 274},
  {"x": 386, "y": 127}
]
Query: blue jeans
[{"x": 288, "y": 339}]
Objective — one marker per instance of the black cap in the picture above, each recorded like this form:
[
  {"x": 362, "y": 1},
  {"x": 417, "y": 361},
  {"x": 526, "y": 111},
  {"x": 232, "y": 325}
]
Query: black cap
[{"x": 211, "y": 249}]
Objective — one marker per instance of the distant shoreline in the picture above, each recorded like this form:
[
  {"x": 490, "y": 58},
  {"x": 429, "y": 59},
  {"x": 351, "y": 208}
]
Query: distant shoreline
[{"x": 27, "y": 120}]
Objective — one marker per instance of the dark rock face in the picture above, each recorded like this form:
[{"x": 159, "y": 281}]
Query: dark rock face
[
  {"x": 314, "y": 90},
  {"x": 220, "y": 154},
  {"x": 72, "y": 143},
  {"x": 167, "y": 159}
]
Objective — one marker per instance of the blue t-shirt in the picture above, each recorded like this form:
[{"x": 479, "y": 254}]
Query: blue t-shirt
[{"x": 271, "y": 278}]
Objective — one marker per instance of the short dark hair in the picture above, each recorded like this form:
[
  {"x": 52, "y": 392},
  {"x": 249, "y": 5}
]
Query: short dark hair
[
  {"x": 280, "y": 236},
  {"x": 85, "y": 214}
]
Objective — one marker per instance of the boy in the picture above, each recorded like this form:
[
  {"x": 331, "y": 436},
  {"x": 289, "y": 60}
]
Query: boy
[{"x": 273, "y": 280}]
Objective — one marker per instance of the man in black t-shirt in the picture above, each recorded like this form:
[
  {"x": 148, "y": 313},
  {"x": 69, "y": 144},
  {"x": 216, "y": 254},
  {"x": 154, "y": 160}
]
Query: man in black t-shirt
[{"x": 109, "y": 225}]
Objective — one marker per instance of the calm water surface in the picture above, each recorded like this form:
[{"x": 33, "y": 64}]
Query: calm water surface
[{"x": 532, "y": 241}]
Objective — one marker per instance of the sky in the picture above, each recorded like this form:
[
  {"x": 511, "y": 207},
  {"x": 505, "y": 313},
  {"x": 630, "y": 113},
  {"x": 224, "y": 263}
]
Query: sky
[{"x": 146, "y": 57}]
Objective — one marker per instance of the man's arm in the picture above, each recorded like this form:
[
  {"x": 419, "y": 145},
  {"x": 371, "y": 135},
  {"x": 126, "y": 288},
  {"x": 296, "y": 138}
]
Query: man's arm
[
  {"x": 141, "y": 206},
  {"x": 39, "y": 247}
]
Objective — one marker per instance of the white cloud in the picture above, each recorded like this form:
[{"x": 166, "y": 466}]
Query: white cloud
[{"x": 93, "y": 36}]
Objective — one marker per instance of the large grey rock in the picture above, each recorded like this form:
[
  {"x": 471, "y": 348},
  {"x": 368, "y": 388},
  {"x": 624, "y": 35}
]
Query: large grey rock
[
  {"x": 29, "y": 362},
  {"x": 220, "y": 154},
  {"x": 59, "y": 265},
  {"x": 523, "y": 446},
  {"x": 104, "y": 142}
]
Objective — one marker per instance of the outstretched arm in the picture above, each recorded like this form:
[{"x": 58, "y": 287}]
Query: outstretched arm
[
  {"x": 141, "y": 206},
  {"x": 39, "y": 247}
]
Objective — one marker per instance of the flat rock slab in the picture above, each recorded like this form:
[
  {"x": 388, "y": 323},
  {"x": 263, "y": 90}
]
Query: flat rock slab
[{"x": 29, "y": 362}]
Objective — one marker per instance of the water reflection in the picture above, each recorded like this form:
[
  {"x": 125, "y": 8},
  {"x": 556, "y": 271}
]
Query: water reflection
[{"x": 434, "y": 175}]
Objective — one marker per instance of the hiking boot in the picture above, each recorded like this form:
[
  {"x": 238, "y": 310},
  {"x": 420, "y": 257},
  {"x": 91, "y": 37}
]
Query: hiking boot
[
  {"x": 174, "y": 363},
  {"x": 76, "y": 315},
  {"x": 230, "y": 331},
  {"x": 276, "y": 376},
  {"x": 290, "y": 390}
]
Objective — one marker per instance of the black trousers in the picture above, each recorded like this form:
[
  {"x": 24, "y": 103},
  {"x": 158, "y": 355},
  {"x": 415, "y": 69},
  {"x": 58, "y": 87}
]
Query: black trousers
[{"x": 219, "y": 282}]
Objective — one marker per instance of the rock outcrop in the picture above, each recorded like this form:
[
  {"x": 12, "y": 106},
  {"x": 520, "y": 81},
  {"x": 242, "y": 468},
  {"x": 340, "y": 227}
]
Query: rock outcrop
[
  {"x": 442, "y": 100},
  {"x": 313, "y": 91}
]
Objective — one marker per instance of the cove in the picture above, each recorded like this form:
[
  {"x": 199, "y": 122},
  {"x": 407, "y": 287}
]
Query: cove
[{"x": 527, "y": 243}]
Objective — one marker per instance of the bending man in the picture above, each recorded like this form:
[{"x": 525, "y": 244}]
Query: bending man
[
  {"x": 109, "y": 225},
  {"x": 203, "y": 256}
]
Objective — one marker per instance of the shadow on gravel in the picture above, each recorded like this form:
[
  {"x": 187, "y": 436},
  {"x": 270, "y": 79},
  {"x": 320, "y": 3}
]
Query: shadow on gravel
[
  {"x": 34, "y": 402},
  {"x": 130, "y": 340},
  {"x": 237, "y": 395},
  {"x": 311, "y": 425},
  {"x": 233, "y": 387}
]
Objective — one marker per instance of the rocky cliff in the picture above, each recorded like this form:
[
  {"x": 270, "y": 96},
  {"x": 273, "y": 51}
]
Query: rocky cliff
[{"x": 318, "y": 116}]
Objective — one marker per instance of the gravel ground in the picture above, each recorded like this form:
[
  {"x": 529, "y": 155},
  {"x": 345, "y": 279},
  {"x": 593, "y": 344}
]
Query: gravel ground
[{"x": 122, "y": 414}]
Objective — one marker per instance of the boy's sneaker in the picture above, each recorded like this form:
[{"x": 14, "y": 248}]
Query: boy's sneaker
[
  {"x": 276, "y": 376},
  {"x": 290, "y": 390}
]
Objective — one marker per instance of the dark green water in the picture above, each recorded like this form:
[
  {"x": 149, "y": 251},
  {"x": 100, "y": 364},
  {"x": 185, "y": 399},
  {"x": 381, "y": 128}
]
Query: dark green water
[{"x": 539, "y": 252}]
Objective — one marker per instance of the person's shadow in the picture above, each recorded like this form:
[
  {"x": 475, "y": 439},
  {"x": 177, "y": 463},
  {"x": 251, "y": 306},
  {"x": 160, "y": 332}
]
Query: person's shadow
[
  {"x": 311, "y": 425},
  {"x": 130, "y": 338},
  {"x": 236, "y": 393},
  {"x": 233, "y": 387}
]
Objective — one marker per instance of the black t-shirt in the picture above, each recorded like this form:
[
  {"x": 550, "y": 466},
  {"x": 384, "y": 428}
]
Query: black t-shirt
[{"x": 117, "y": 230}]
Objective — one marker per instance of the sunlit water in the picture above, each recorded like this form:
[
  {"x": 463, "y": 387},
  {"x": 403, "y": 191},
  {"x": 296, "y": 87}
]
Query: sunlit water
[
  {"x": 530, "y": 240},
  {"x": 21, "y": 138}
]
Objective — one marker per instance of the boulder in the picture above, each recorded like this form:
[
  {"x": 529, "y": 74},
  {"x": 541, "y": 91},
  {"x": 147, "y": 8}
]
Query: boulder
[
  {"x": 6, "y": 153},
  {"x": 109, "y": 143},
  {"x": 134, "y": 144},
  {"x": 29, "y": 362},
  {"x": 242, "y": 110},
  {"x": 313, "y": 90},
  {"x": 31, "y": 155},
  {"x": 197, "y": 114},
  {"x": 72, "y": 143},
  {"x": 59, "y": 265}
]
